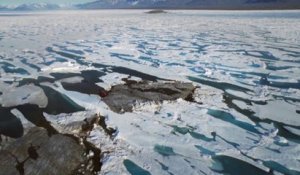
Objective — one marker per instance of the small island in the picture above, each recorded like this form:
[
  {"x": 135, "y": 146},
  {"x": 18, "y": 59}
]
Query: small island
[{"x": 156, "y": 11}]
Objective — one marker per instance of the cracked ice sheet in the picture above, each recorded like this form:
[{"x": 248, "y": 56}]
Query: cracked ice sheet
[
  {"x": 216, "y": 50},
  {"x": 143, "y": 130},
  {"x": 148, "y": 132}
]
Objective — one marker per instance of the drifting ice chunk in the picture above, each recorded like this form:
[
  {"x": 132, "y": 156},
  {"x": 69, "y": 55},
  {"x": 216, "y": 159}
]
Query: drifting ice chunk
[{"x": 28, "y": 94}]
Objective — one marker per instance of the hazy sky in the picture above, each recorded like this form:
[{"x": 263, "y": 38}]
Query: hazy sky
[{"x": 17, "y": 2}]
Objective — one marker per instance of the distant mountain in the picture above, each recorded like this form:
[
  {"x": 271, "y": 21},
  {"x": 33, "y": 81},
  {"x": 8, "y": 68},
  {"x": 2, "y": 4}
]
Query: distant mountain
[
  {"x": 193, "y": 4},
  {"x": 103, "y": 4},
  {"x": 31, "y": 7},
  {"x": 37, "y": 6},
  {"x": 3, "y": 8}
]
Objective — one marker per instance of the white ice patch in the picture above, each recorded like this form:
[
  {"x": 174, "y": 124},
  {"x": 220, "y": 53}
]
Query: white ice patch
[
  {"x": 112, "y": 79},
  {"x": 76, "y": 79},
  {"x": 62, "y": 67},
  {"x": 278, "y": 111},
  {"x": 30, "y": 94}
]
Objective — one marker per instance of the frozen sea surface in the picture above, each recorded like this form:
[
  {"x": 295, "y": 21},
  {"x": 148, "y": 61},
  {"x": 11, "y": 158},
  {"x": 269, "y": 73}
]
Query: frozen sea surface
[{"x": 247, "y": 65}]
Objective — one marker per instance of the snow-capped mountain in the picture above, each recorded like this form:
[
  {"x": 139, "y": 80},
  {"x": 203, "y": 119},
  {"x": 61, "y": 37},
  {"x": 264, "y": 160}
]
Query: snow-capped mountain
[
  {"x": 37, "y": 6},
  {"x": 3, "y": 8},
  {"x": 194, "y": 4},
  {"x": 31, "y": 7}
]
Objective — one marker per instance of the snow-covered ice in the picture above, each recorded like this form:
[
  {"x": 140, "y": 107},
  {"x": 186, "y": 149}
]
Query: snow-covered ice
[{"x": 247, "y": 65}]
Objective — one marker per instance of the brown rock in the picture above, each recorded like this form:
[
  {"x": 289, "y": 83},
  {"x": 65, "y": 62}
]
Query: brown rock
[
  {"x": 38, "y": 153},
  {"x": 122, "y": 98},
  {"x": 7, "y": 164}
]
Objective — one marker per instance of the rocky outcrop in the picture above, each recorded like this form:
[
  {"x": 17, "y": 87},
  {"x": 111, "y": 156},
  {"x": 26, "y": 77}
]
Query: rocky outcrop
[
  {"x": 38, "y": 153},
  {"x": 7, "y": 163},
  {"x": 157, "y": 11},
  {"x": 122, "y": 98},
  {"x": 68, "y": 151}
]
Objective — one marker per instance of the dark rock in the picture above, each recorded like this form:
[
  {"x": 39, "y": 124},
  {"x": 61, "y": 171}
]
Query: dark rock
[
  {"x": 108, "y": 130},
  {"x": 7, "y": 164},
  {"x": 32, "y": 152},
  {"x": 122, "y": 98},
  {"x": 36, "y": 136},
  {"x": 38, "y": 153},
  {"x": 157, "y": 11},
  {"x": 59, "y": 155}
]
